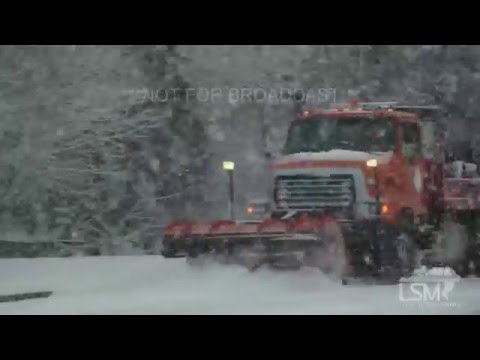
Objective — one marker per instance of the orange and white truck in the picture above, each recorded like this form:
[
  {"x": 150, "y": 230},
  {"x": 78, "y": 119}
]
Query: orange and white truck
[{"x": 361, "y": 189}]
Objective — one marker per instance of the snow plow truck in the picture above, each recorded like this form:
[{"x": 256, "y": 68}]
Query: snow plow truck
[{"x": 361, "y": 190}]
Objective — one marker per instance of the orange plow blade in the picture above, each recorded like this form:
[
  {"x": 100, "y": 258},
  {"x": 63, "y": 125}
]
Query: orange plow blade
[{"x": 296, "y": 242}]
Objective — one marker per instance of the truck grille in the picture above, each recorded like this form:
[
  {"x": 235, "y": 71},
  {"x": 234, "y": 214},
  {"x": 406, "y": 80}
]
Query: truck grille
[{"x": 311, "y": 192}]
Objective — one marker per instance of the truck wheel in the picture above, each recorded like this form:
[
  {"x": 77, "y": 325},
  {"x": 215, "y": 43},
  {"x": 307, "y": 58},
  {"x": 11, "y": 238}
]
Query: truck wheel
[
  {"x": 398, "y": 255},
  {"x": 398, "y": 251},
  {"x": 408, "y": 252}
]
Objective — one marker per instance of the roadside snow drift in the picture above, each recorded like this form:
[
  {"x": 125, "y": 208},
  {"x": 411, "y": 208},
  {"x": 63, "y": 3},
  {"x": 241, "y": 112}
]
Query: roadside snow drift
[{"x": 154, "y": 285}]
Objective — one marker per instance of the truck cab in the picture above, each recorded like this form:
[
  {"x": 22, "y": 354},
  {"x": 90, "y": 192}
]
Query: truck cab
[{"x": 355, "y": 162}]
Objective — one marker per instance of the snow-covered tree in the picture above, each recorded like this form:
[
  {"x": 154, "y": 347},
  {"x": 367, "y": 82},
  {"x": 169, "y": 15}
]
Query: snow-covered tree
[{"x": 108, "y": 143}]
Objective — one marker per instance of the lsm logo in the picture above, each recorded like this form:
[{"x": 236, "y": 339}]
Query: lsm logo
[{"x": 432, "y": 287}]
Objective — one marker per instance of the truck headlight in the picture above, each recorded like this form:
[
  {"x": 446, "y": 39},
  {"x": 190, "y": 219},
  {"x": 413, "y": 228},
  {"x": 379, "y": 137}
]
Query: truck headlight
[{"x": 373, "y": 163}]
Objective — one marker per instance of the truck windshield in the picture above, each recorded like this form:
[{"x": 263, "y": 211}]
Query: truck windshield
[{"x": 328, "y": 133}]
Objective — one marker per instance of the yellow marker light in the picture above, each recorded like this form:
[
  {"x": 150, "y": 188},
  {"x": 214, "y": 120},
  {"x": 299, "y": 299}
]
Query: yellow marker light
[
  {"x": 228, "y": 165},
  {"x": 385, "y": 209},
  {"x": 372, "y": 163}
]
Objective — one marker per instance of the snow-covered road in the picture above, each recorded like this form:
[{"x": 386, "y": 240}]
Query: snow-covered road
[{"x": 153, "y": 285}]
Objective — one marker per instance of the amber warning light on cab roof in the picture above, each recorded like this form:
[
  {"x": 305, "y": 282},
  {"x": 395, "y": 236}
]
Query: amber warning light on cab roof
[{"x": 388, "y": 106}]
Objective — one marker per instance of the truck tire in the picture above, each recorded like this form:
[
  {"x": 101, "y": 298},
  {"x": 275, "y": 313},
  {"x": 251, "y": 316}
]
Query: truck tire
[
  {"x": 398, "y": 255},
  {"x": 400, "y": 249}
]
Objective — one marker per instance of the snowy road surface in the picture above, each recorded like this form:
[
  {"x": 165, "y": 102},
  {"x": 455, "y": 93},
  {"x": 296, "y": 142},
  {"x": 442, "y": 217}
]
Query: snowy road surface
[{"x": 153, "y": 285}]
